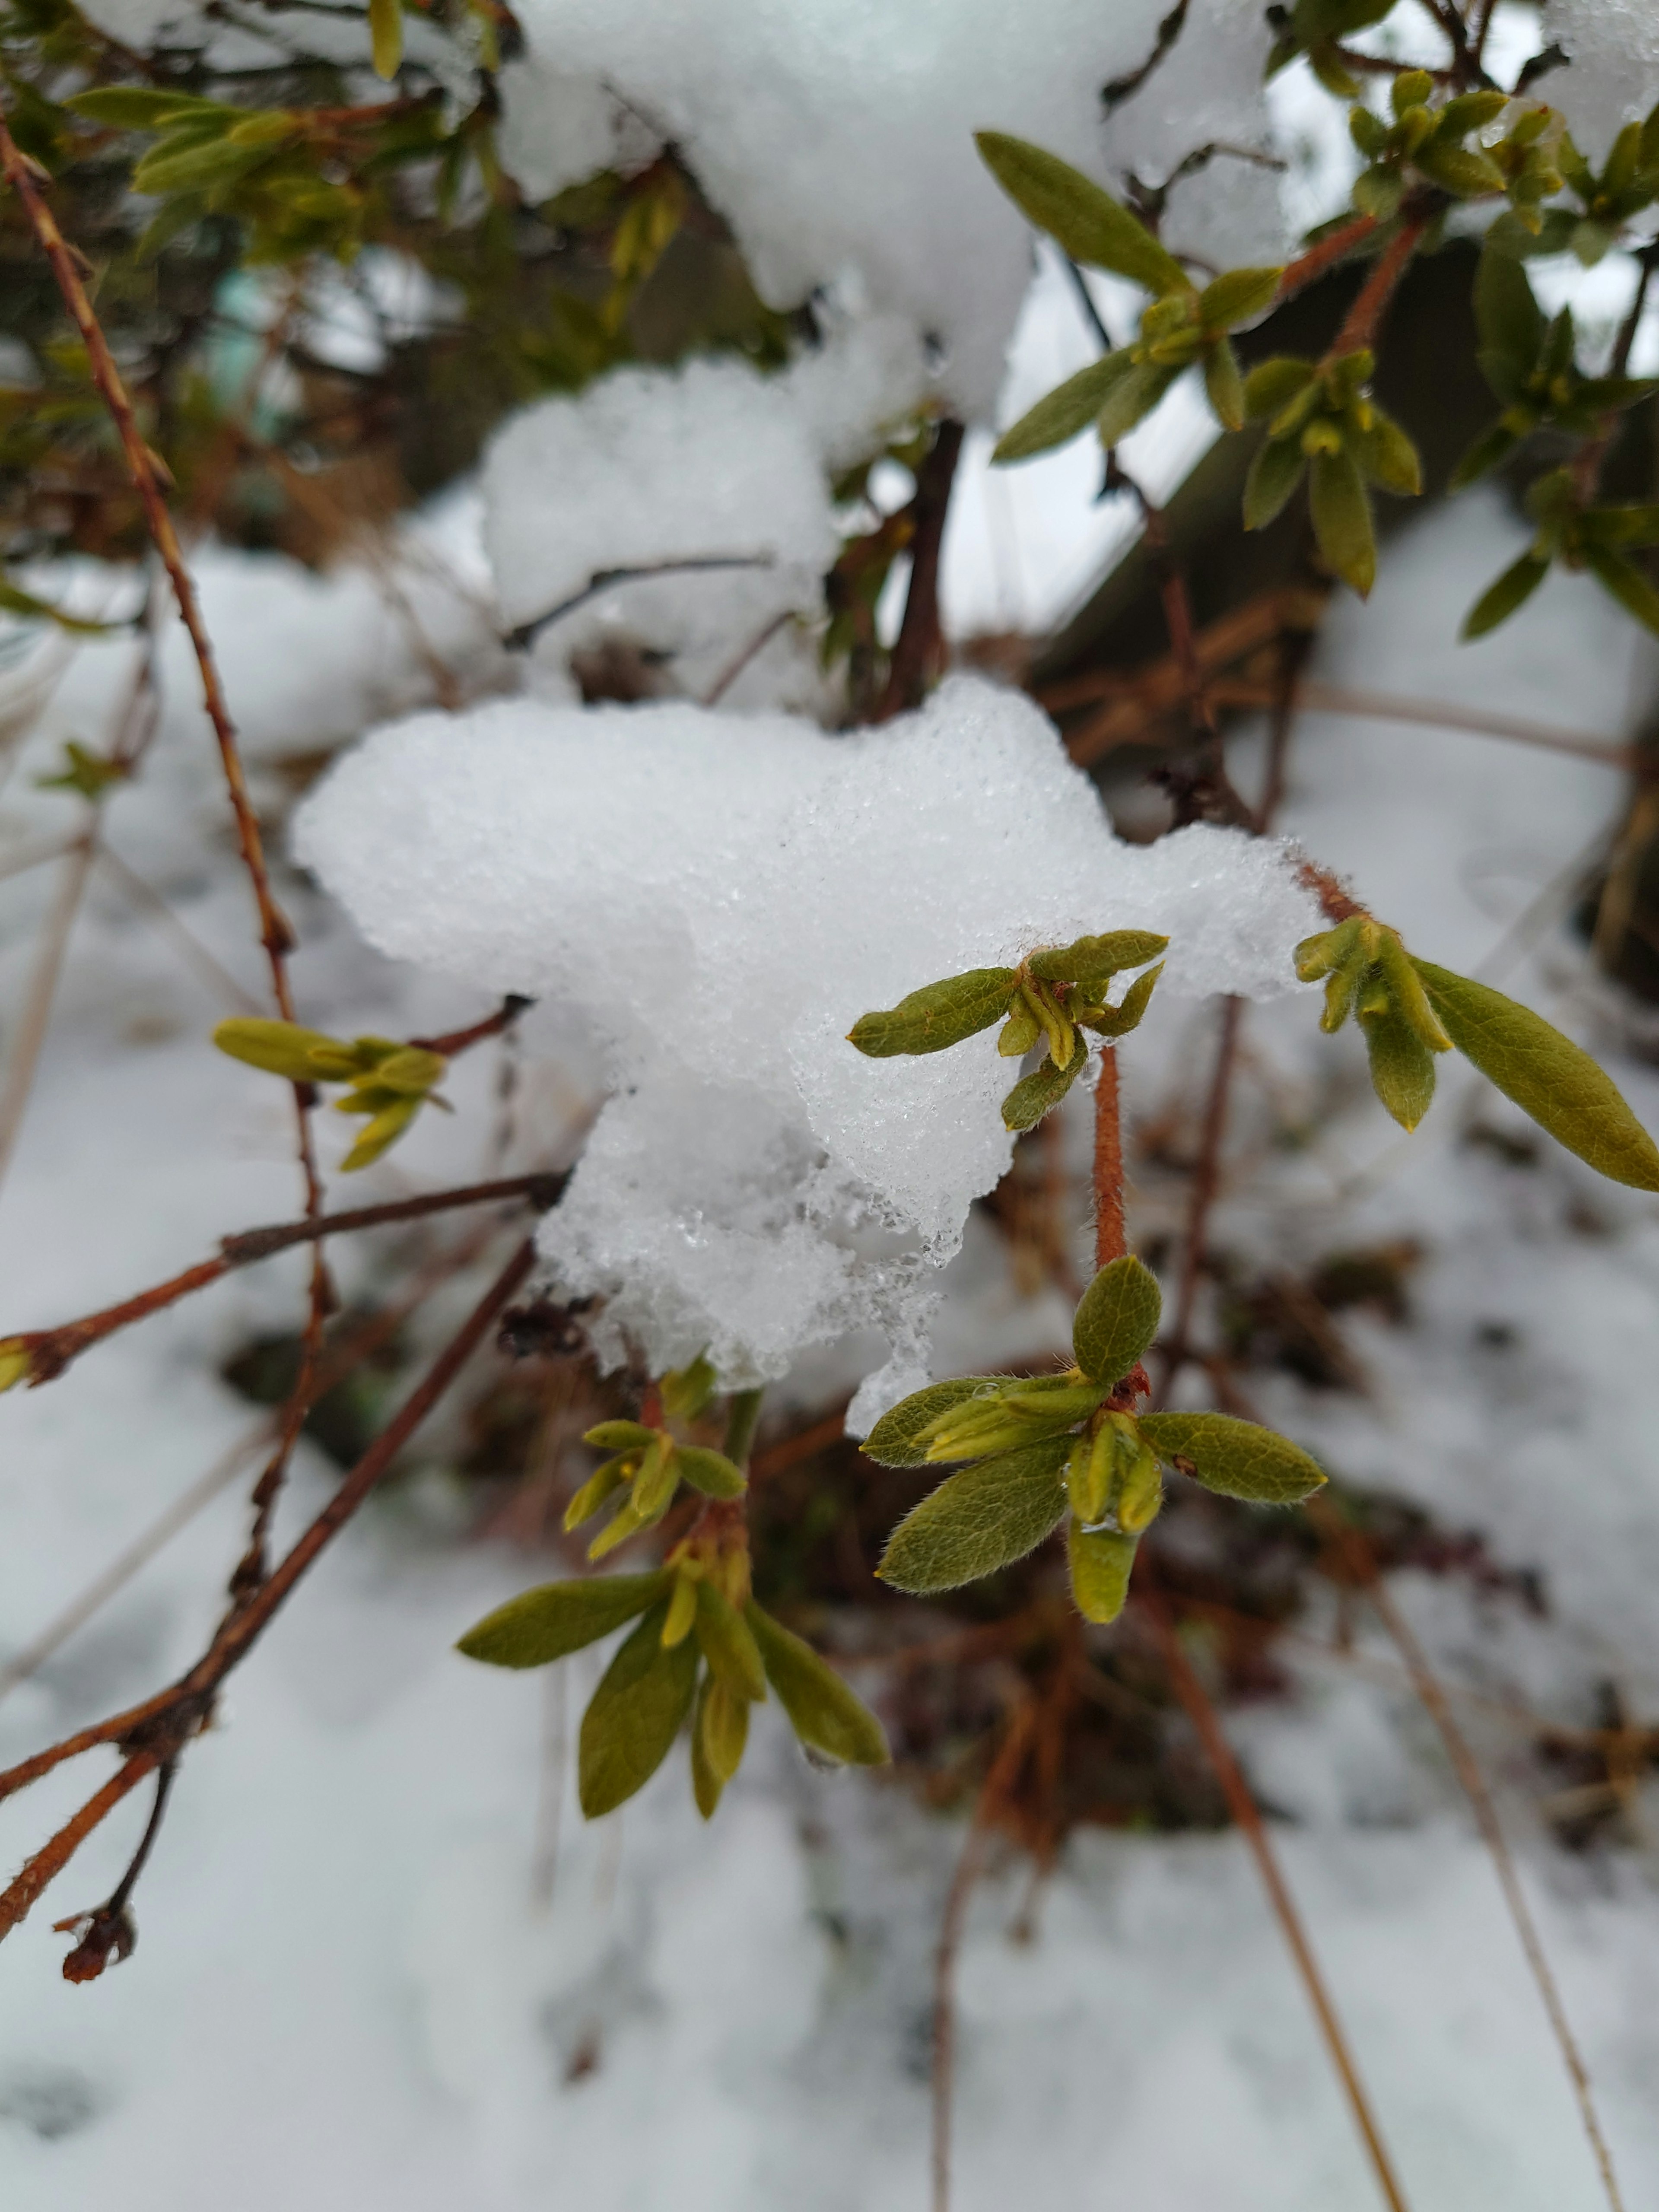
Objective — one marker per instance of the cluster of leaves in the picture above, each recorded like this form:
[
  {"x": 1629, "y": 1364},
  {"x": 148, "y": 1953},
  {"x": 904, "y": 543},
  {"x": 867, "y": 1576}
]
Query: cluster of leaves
[
  {"x": 702, "y": 1649},
  {"x": 1052, "y": 995},
  {"x": 1430, "y": 152},
  {"x": 386, "y": 1080},
  {"x": 1067, "y": 1447},
  {"x": 1410, "y": 1010}
]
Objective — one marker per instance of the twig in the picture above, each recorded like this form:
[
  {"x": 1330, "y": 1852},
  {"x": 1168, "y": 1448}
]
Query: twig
[
  {"x": 524, "y": 636},
  {"x": 454, "y": 1042},
  {"x": 158, "y": 1728},
  {"x": 1117, "y": 90},
  {"x": 1359, "y": 325},
  {"x": 1362, "y": 1564},
  {"x": 1325, "y": 253},
  {"x": 1242, "y": 1804},
  {"x": 919, "y": 650},
  {"x": 30, "y": 1035},
  {"x": 1110, "y": 1243},
  {"x": 109, "y": 1929},
  {"x": 51, "y": 1349},
  {"x": 741, "y": 658}
]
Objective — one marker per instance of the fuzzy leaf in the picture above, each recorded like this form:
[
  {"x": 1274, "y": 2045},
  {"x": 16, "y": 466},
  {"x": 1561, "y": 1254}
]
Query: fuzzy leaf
[
  {"x": 822, "y": 1711},
  {"x": 634, "y": 1715},
  {"x": 1403, "y": 1068},
  {"x": 1101, "y": 1562},
  {"x": 1546, "y": 1075},
  {"x": 986, "y": 1517},
  {"x": 1388, "y": 456},
  {"x": 1068, "y": 408},
  {"x": 1117, "y": 1319},
  {"x": 1234, "y": 1458},
  {"x": 1098, "y": 959},
  {"x": 1223, "y": 386},
  {"x": 1500, "y": 599},
  {"x": 722, "y": 1730},
  {"x": 1237, "y": 296},
  {"x": 728, "y": 1643},
  {"x": 1342, "y": 519},
  {"x": 936, "y": 1015},
  {"x": 1086, "y": 221},
  {"x": 892, "y": 1441},
  {"x": 710, "y": 1472},
  {"x": 1132, "y": 398},
  {"x": 1275, "y": 475},
  {"x": 1032, "y": 1097},
  {"x": 545, "y": 1623},
  {"x": 1118, "y": 1021},
  {"x": 1272, "y": 384}
]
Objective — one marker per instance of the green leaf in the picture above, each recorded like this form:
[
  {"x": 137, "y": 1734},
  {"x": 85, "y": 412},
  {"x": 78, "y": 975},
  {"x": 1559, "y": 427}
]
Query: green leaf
[
  {"x": 1403, "y": 1068},
  {"x": 386, "y": 32},
  {"x": 1117, "y": 1319},
  {"x": 1036, "y": 1094},
  {"x": 1089, "y": 960},
  {"x": 936, "y": 1015},
  {"x": 381, "y": 1133},
  {"x": 285, "y": 1049},
  {"x": 1491, "y": 446},
  {"x": 1101, "y": 1562},
  {"x": 728, "y": 1643},
  {"x": 1068, "y": 408},
  {"x": 710, "y": 1472},
  {"x": 1500, "y": 599},
  {"x": 1236, "y": 1459},
  {"x": 1118, "y": 1021},
  {"x": 821, "y": 1709},
  {"x": 706, "y": 1785},
  {"x": 1223, "y": 386},
  {"x": 892, "y": 1441},
  {"x": 1546, "y": 1075},
  {"x": 722, "y": 1730},
  {"x": 411, "y": 1070},
  {"x": 545, "y": 1623},
  {"x": 1275, "y": 475},
  {"x": 1272, "y": 385},
  {"x": 1459, "y": 170},
  {"x": 1387, "y": 456},
  {"x": 1511, "y": 324},
  {"x": 1086, "y": 221},
  {"x": 620, "y": 1435},
  {"x": 634, "y": 1715},
  {"x": 1622, "y": 525},
  {"x": 1237, "y": 296},
  {"x": 1624, "y": 582},
  {"x": 686, "y": 1390},
  {"x": 13, "y": 600},
  {"x": 203, "y": 165},
  {"x": 131, "y": 108},
  {"x": 1134, "y": 397},
  {"x": 986, "y": 1517},
  {"x": 1342, "y": 519}
]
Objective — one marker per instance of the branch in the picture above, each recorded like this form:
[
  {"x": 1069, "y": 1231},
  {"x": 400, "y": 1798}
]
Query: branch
[
  {"x": 919, "y": 652},
  {"x": 454, "y": 1042},
  {"x": 50, "y": 1350},
  {"x": 156, "y": 1730},
  {"x": 1323, "y": 254},
  {"x": 1360, "y": 324},
  {"x": 521, "y": 639}
]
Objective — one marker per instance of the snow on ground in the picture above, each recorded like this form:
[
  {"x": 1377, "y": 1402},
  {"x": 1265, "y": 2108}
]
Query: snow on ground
[{"x": 344, "y": 1995}]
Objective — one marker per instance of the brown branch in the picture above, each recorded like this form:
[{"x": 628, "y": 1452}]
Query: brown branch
[
  {"x": 158, "y": 1729},
  {"x": 1184, "y": 1681},
  {"x": 1363, "y": 319},
  {"x": 519, "y": 640},
  {"x": 919, "y": 650},
  {"x": 1109, "y": 1242},
  {"x": 458, "y": 1041},
  {"x": 1323, "y": 254},
  {"x": 51, "y": 1349},
  {"x": 1361, "y": 1562}
]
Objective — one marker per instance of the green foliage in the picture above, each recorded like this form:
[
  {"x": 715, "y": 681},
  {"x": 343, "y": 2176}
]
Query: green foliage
[
  {"x": 1234, "y": 1458},
  {"x": 649, "y": 1464},
  {"x": 1367, "y": 972},
  {"x": 1579, "y": 536},
  {"x": 936, "y": 1015},
  {"x": 635, "y": 1715},
  {"x": 14, "y": 600},
  {"x": 991, "y": 1514},
  {"x": 1323, "y": 415},
  {"x": 1316, "y": 29},
  {"x": 542, "y": 1625},
  {"x": 91, "y": 773},
  {"x": 1424, "y": 145},
  {"x": 387, "y": 1081},
  {"x": 1086, "y": 221},
  {"x": 822, "y": 1711},
  {"x": 1116, "y": 1320},
  {"x": 1101, "y": 1562}
]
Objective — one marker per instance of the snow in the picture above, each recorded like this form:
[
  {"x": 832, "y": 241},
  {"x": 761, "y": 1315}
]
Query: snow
[
  {"x": 808, "y": 126},
  {"x": 1613, "y": 49},
  {"x": 720, "y": 897}
]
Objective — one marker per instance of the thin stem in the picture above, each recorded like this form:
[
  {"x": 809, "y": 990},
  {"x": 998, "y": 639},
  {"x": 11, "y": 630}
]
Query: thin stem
[
  {"x": 1335, "y": 246},
  {"x": 51, "y": 1349},
  {"x": 919, "y": 650},
  {"x": 1363, "y": 319},
  {"x": 521, "y": 639},
  {"x": 30, "y": 1035},
  {"x": 741, "y": 658},
  {"x": 1242, "y": 1804},
  {"x": 1110, "y": 1243}
]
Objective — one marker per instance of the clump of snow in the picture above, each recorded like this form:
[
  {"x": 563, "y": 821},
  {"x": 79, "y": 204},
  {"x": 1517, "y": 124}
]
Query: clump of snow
[
  {"x": 837, "y": 138},
  {"x": 721, "y": 898},
  {"x": 1612, "y": 46}
]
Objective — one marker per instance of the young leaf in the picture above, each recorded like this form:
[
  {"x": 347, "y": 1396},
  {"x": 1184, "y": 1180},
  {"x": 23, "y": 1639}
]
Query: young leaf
[
  {"x": 1510, "y": 322},
  {"x": 1500, "y": 599},
  {"x": 1403, "y": 1068},
  {"x": 545, "y": 1623},
  {"x": 687, "y": 1390},
  {"x": 1546, "y": 1075},
  {"x": 722, "y": 1730},
  {"x": 1133, "y": 397},
  {"x": 1624, "y": 581},
  {"x": 936, "y": 1015},
  {"x": 634, "y": 1715},
  {"x": 987, "y": 1516},
  {"x": 821, "y": 1709},
  {"x": 1101, "y": 1563},
  {"x": 728, "y": 1643},
  {"x": 710, "y": 1472},
  {"x": 378, "y": 1134},
  {"x": 1272, "y": 385},
  {"x": 1068, "y": 408},
  {"x": 1342, "y": 519},
  {"x": 1086, "y": 221},
  {"x": 1234, "y": 1458},
  {"x": 1032, "y": 1098},
  {"x": 1095, "y": 960},
  {"x": 706, "y": 1785},
  {"x": 1491, "y": 446},
  {"x": 386, "y": 32},
  {"x": 1387, "y": 456},
  {"x": 1237, "y": 296},
  {"x": 1275, "y": 475},
  {"x": 1117, "y": 1319},
  {"x": 132, "y": 108},
  {"x": 1118, "y": 1021},
  {"x": 892, "y": 1441},
  {"x": 300, "y": 1055}
]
